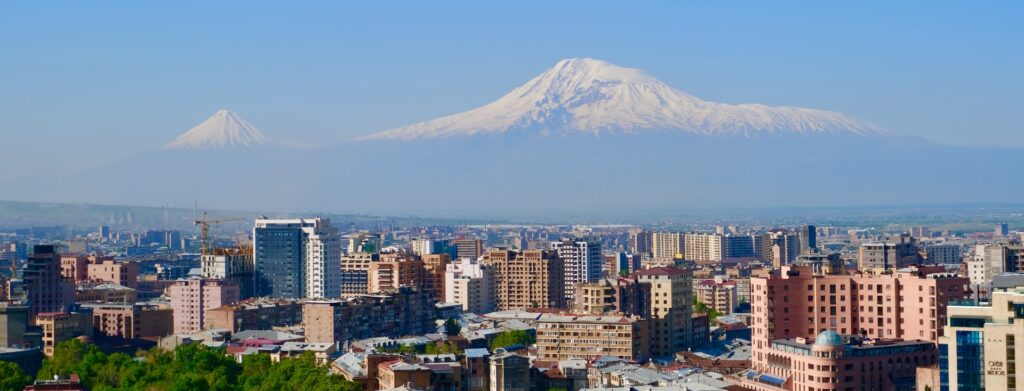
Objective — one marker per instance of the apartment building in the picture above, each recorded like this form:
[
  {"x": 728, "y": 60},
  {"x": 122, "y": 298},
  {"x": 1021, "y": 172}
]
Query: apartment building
[
  {"x": 527, "y": 278},
  {"x": 192, "y": 298},
  {"x": 561, "y": 337},
  {"x": 671, "y": 309}
]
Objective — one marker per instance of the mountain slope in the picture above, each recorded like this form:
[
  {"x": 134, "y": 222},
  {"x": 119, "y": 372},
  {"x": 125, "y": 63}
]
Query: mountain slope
[
  {"x": 593, "y": 96},
  {"x": 223, "y": 130}
]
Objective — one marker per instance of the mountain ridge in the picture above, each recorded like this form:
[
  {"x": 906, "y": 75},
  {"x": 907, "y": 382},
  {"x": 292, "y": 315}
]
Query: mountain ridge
[{"x": 583, "y": 95}]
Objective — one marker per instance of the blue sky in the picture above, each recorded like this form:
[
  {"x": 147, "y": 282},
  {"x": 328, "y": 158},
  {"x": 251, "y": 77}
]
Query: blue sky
[{"x": 94, "y": 82}]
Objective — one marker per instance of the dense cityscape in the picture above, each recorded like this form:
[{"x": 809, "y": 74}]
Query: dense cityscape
[
  {"x": 572, "y": 195},
  {"x": 518, "y": 307}
]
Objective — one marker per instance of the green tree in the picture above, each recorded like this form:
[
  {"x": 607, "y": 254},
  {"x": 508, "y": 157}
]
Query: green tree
[
  {"x": 701, "y": 307},
  {"x": 452, "y": 327},
  {"x": 12, "y": 378},
  {"x": 512, "y": 338}
]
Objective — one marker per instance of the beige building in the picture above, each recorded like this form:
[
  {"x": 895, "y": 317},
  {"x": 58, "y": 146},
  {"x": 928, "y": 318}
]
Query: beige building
[
  {"x": 470, "y": 283},
  {"x": 527, "y": 279},
  {"x": 895, "y": 253},
  {"x": 719, "y": 295},
  {"x": 434, "y": 267},
  {"x": 703, "y": 247},
  {"x": 395, "y": 270},
  {"x": 671, "y": 324},
  {"x": 132, "y": 321},
  {"x": 667, "y": 245},
  {"x": 561, "y": 337},
  {"x": 354, "y": 270},
  {"x": 62, "y": 326},
  {"x": 978, "y": 349}
]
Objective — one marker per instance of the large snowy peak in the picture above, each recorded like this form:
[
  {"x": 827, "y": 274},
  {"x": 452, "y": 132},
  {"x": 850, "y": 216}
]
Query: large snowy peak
[
  {"x": 593, "y": 96},
  {"x": 223, "y": 130}
]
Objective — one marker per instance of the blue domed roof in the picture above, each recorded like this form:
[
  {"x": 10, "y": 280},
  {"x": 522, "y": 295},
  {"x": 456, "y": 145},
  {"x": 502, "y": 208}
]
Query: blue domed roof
[{"x": 829, "y": 338}]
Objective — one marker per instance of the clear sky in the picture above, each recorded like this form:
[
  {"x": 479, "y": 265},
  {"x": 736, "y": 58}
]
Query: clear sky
[{"x": 86, "y": 83}]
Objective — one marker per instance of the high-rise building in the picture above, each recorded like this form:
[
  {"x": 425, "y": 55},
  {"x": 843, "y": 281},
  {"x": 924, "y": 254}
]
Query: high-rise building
[
  {"x": 395, "y": 270},
  {"x": 468, "y": 248},
  {"x": 296, "y": 258},
  {"x": 527, "y": 279},
  {"x": 582, "y": 260},
  {"x": 671, "y": 326},
  {"x": 897, "y": 252},
  {"x": 355, "y": 269},
  {"x": 45, "y": 288},
  {"x": 1002, "y": 229},
  {"x": 434, "y": 267},
  {"x": 739, "y": 246},
  {"x": 639, "y": 241},
  {"x": 191, "y": 298},
  {"x": 978, "y": 350},
  {"x": 667, "y": 245},
  {"x": 109, "y": 270},
  {"x": 703, "y": 247},
  {"x": 472, "y": 284},
  {"x": 232, "y": 265},
  {"x": 613, "y": 295},
  {"x": 808, "y": 239},
  {"x": 422, "y": 247},
  {"x": 779, "y": 247},
  {"x": 943, "y": 254}
]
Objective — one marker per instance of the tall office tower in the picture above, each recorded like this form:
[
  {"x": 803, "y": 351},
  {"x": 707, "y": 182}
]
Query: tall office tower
[
  {"x": 434, "y": 267},
  {"x": 468, "y": 248},
  {"x": 639, "y": 241},
  {"x": 296, "y": 258},
  {"x": 779, "y": 247},
  {"x": 738, "y": 246},
  {"x": 191, "y": 298},
  {"x": 896, "y": 252},
  {"x": 527, "y": 279},
  {"x": 671, "y": 312},
  {"x": 232, "y": 265},
  {"x": 355, "y": 269},
  {"x": 703, "y": 247},
  {"x": 582, "y": 260},
  {"x": 104, "y": 232},
  {"x": 1002, "y": 229},
  {"x": 470, "y": 283},
  {"x": 666, "y": 245},
  {"x": 920, "y": 232},
  {"x": 44, "y": 287},
  {"x": 808, "y": 239}
]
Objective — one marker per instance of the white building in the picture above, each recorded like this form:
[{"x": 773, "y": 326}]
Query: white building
[
  {"x": 703, "y": 247},
  {"x": 666, "y": 245},
  {"x": 582, "y": 259},
  {"x": 318, "y": 270},
  {"x": 470, "y": 283}
]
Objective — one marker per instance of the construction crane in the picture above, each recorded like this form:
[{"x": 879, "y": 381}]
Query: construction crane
[{"x": 205, "y": 226}]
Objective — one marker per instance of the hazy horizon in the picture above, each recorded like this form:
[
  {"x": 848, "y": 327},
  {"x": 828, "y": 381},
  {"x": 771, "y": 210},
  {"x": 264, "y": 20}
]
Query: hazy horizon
[{"x": 96, "y": 83}]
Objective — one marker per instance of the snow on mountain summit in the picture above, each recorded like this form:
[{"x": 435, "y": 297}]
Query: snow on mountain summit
[
  {"x": 223, "y": 130},
  {"x": 583, "y": 95}
]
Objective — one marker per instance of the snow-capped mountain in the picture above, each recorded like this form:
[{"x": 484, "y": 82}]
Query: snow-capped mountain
[
  {"x": 592, "y": 96},
  {"x": 223, "y": 130}
]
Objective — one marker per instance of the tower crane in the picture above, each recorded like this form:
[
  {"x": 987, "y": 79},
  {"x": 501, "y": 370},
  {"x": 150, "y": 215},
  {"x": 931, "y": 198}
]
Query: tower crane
[{"x": 205, "y": 222}]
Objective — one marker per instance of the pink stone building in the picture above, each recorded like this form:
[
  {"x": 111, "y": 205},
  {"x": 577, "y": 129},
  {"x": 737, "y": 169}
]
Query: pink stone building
[
  {"x": 191, "y": 298},
  {"x": 121, "y": 273},
  {"x": 798, "y": 304}
]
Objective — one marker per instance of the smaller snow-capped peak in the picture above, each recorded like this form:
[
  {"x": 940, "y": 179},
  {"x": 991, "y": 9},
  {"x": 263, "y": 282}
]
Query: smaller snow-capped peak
[{"x": 223, "y": 130}]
